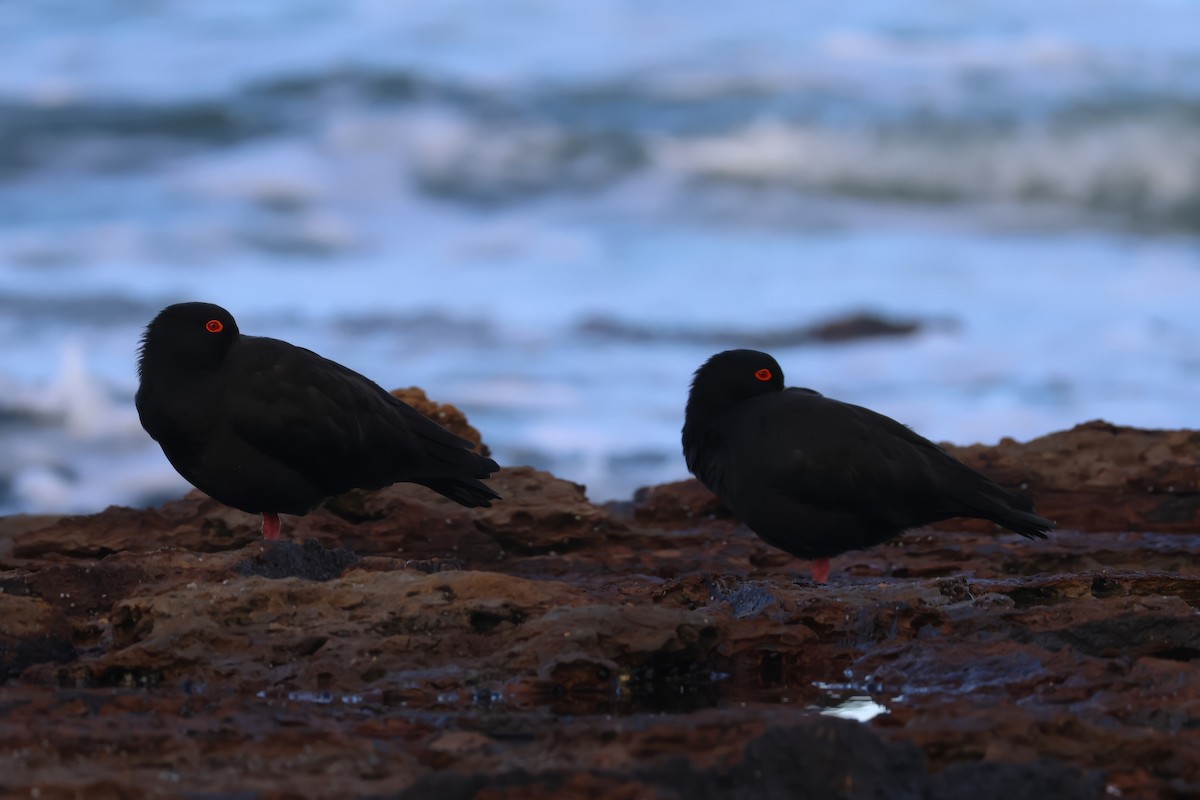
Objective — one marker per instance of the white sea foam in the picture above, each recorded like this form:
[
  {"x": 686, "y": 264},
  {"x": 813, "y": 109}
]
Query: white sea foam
[
  {"x": 1039, "y": 51},
  {"x": 277, "y": 173},
  {"x": 1074, "y": 165},
  {"x": 1049, "y": 333},
  {"x": 445, "y": 195}
]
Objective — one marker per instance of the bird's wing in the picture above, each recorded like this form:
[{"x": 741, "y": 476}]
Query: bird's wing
[
  {"x": 331, "y": 424},
  {"x": 832, "y": 454}
]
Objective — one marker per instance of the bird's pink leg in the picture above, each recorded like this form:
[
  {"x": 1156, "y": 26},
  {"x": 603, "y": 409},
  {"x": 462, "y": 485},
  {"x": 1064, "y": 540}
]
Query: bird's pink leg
[
  {"x": 820, "y": 570},
  {"x": 271, "y": 526}
]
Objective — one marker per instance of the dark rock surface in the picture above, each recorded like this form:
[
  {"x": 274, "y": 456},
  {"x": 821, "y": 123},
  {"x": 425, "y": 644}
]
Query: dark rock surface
[
  {"x": 403, "y": 646},
  {"x": 844, "y": 328}
]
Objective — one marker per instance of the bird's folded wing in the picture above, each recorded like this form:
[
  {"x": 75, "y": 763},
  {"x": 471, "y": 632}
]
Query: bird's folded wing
[
  {"x": 314, "y": 414},
  {"x": 414, "y": 422},
  {"x": 838, "y": 455}
]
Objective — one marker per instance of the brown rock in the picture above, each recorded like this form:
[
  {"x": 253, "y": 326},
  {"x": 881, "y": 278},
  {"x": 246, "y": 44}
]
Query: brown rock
[
  {"x": 196, "y": 522},
  {"x": 684, "y": 502},
  {"x": 404, "y": 646},
  {"x": 540, "y": 514},
  {"x": 30, "y": 633},
  {"x": 1102, "y": 477},
  {"x": 448, "y": 416}
]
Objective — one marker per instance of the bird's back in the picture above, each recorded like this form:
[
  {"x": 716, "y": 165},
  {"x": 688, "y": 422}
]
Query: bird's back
[
  {"x": 816, "y": 476},
  {"x": 333, "y": 425},
  {"x": 278, "y": 428}
]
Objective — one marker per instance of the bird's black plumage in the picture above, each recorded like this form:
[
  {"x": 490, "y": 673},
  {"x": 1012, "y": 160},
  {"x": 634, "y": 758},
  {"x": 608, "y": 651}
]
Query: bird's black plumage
[
  {"x": 817, "y": 477},
  {"x": 268, "y": 427}
]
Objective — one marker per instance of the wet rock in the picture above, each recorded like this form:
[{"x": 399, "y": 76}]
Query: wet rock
[
  {"x": 821, "y": 758},
  {"x": 310, "y": 561},
  {"x": 745, "y": 600},
  {"x": 30, "y": 633},
  {"x": 991, "y": 781},
  {"x": 396, "y": 644},
  {"x": 431, "y": 565}
]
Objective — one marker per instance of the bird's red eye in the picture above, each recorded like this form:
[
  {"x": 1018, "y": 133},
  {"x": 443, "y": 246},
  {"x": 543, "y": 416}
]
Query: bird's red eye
[
  {"x": 214, "y": 326},
  {"x": 763, "y": 374}
]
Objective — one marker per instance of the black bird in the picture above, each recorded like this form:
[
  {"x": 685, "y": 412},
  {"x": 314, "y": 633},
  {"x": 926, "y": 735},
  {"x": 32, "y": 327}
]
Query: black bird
[
  {"x": 817, "y": 477},
  {"x": 271, "y": 428}
]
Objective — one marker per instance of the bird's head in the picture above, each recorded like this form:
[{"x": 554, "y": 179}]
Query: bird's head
[
  {"x": 187, "y": 335},
  {"x": 729, "y": 378}
]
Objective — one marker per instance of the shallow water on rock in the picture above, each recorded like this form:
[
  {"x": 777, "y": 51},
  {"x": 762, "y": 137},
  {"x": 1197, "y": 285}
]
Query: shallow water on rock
[{"x": 557, "y": 640}]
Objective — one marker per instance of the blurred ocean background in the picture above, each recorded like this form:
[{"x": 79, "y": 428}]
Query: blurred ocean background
[{"x": 550, "y": 212}]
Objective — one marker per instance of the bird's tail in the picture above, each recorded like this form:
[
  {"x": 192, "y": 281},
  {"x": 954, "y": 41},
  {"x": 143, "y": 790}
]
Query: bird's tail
[
  {"x": 1026, "y": 523},
  {"x": 1013, "y": 510},
  {"x": 469, "y": 492}
]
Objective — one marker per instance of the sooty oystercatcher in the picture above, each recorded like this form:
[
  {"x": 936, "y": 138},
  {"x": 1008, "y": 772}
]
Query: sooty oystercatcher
[
  {"x": 271, "y": 428},
  {"x": 817, "y": 477}
]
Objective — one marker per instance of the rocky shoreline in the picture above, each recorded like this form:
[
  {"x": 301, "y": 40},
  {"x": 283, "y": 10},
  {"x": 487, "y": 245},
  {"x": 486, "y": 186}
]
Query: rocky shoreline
[{"x": 398, "y": 645}]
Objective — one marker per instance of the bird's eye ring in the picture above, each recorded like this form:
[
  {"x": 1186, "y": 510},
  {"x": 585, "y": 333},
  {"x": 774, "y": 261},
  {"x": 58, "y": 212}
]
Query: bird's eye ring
[
  {"x": 214, "y": 326},
  {"x": 763, "y": 374}
]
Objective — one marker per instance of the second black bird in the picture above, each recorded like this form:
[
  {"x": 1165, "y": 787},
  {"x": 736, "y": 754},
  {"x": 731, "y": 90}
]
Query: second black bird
[
  {"x": 271, "y": 428},
  {"x": 817, "y": 477}
]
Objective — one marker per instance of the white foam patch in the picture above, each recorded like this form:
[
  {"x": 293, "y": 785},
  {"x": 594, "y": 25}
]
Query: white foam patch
[
  {"x": 1015, "y": 364},
  {"x": 41, "y": 489},
  {"x": 93, "y": 479},
  {"x": 78, "y": 398},
  {"x": 1071, "y": 165},
  {"x": 356, "y": 207},
  {"x": 1035, "y": 51},
  {"x": 278, "y": 172}
]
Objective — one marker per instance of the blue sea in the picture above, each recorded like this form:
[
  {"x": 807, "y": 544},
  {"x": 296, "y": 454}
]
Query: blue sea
[{"x": 550, "y": 212}]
